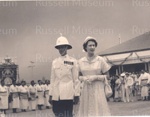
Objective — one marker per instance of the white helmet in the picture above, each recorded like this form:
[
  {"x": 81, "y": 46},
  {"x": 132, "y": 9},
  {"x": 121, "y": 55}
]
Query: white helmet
[
  {"x": 123, "y": 74},
  {"x": 62, "y": 41}
]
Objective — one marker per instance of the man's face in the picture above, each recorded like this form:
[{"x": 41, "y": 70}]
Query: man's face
[
  {"x": 40, "y": 82},
  {"x": 23, "y": 83},
  {"x": 62, "y": 50},
  {"x": 32, "y": 83}
]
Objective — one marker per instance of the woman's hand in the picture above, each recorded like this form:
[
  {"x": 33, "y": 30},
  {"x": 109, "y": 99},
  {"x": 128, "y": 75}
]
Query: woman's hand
[{"x": 88, "y": 80}]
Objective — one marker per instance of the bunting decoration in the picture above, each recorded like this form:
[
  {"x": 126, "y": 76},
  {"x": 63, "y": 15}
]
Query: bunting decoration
[
  {"x": 110, "y": 62},
  {"x": 141, "y": 58},
  {"x": 125, "y": 59}
]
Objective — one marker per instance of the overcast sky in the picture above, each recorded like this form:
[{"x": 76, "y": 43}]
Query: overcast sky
[{"x": 29, "y": 30}]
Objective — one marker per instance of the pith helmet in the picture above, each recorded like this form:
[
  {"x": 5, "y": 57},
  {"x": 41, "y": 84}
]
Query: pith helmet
[
  {"x": 123, "y": 74},
  {"x": 62, "y": 41}
]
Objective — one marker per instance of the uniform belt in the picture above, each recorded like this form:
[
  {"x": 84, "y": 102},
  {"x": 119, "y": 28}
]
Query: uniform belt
[
  {"x": 24, "y": 95},
  {"x": 15, "y": 94},
  {"x": 39, "y": 91},
  {"x": 3, "y": 93},
  {"x": 31, "y": 93},
  {"x": 46, "y": 92},
  {"x": 33, "y": 96}
]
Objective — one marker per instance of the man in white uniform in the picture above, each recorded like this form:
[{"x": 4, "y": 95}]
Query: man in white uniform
[
  {"x": 40, "y": 94},
  {"x": 14, "y": 92},
  {"x": 64, "y": 81},
  {"x": 46, "y": 94},
  {"x": 144, "y": 80},
  {"x": 32, "y": 96},
  {"x": 128, "y": 87},
  {"x": 3, "y": 97},
  {"x": 24, "y": 95},
  {"x": 123, "y": 87}
]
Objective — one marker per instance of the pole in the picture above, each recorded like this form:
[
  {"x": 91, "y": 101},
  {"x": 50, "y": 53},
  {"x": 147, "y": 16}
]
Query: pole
[{"x": 32, "y": 66}]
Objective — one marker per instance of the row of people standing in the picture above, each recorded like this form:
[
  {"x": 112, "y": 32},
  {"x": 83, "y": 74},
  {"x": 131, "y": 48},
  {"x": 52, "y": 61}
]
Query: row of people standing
[{"x": 24, "y": 97}]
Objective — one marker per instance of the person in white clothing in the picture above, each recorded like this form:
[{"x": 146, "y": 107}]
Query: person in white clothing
[
  {"x": 64, "y": 81},
  {"x": 3, "y": 97},
  {"x": 93, "y": 71},
  {"x": 46, "y": 94},
  {"x": 144, "y": 80},
  {"x": 14, "y": 92},
  {"x": 117, "y": 96},
  {"x": 128, "y": 88},
  {"x": 24, "y": 95},
  {"x": 40, "y": 94},
  {"x": 32, "y": 96},
  {"x": 122, "y": 78}
]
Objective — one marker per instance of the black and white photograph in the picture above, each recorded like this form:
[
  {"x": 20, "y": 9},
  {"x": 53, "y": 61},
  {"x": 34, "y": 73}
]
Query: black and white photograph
[{"x": 74, "y": 58}]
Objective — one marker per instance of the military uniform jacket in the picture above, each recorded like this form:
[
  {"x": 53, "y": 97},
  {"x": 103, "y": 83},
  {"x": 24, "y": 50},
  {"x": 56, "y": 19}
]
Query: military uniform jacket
[{"x": 64, "y": 78}]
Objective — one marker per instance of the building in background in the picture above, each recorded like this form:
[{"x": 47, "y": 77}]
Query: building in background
[{"x": 130, "y": 56}]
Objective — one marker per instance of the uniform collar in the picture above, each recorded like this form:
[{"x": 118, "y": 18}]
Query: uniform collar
[{"x": 66, "y": 56}]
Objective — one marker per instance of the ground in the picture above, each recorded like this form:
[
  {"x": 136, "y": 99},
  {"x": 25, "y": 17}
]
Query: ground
[{"x": 117, "y": 109}]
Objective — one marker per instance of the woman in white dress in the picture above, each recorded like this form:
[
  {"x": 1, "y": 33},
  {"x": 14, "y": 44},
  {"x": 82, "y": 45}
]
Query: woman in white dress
[{"x": 93, "y": 72}]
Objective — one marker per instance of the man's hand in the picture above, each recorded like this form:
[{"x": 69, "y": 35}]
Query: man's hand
[
  {"x": 50, "y": 100},
  {"x": 76, "y": 99}
]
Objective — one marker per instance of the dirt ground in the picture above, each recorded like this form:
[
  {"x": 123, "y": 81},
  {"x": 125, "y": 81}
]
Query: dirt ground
[{"x": 137, "y": 108}]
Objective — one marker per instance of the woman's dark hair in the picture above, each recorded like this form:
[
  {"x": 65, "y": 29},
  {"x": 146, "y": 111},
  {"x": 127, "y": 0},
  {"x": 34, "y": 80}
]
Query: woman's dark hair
[{"x": 85, "y": 44}]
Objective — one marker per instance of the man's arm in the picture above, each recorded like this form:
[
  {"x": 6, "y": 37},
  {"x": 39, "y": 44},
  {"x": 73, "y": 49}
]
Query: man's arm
[
  {"x": 52, "y": 83},
  {"x": 75, "y": 72}
]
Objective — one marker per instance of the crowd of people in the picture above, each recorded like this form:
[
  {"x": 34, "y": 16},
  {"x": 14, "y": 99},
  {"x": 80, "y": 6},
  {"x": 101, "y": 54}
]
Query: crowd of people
[
  {"x": 129, "y": 87},
  {"x": 24, "y": 96}
]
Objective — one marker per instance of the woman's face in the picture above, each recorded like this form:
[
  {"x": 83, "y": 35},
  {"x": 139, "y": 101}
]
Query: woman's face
[{"x": 91, "y": 47}]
